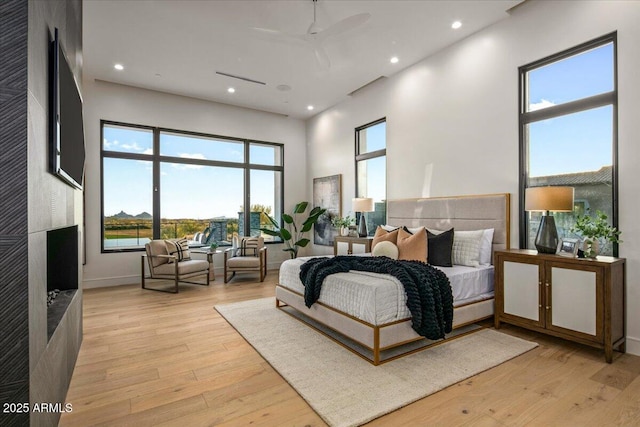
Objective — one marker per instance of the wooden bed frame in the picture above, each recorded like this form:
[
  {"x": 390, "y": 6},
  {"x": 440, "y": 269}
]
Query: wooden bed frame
[{"x": 460, "y": 212}]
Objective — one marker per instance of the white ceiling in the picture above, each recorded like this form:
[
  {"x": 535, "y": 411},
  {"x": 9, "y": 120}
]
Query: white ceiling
[{"x": 176, "y": 46}]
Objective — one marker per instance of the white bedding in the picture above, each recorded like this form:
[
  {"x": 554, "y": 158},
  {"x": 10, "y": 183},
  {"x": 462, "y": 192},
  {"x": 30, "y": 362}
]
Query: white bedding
[{"x": 380, "y": 298}]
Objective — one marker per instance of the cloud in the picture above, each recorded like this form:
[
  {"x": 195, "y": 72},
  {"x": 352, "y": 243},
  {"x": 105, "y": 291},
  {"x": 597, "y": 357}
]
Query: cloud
[
  {"x": 132, "y": 147},
  {"x": 107, "y": 145},
  {"x": 148, "y": 151},
  {"x": 533, "y": 106}
]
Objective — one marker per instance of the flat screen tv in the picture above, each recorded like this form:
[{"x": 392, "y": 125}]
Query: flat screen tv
[{"x": 66, "y": 148}]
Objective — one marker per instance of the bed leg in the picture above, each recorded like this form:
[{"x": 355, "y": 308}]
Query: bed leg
[
  {"x": 376, "y": 346},
  {"x": 277, "y": 303}
]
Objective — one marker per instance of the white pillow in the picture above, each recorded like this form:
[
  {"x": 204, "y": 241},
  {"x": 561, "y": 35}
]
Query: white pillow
[
  {"x": 387, "y": 227},
  {"x": 414, "y": 230},
  {"x": 486, "y": 246},
  {"x": 466, "y": 247},
  {"x": 385, "y": 248}
]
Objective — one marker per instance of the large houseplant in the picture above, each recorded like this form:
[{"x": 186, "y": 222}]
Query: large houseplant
[
  {"x": 593, "y": 229},
  {"x": 293, "y": 230}
]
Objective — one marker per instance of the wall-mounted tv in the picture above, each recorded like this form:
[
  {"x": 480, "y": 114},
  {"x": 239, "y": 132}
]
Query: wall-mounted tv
[{"x": 66, "y": 147}]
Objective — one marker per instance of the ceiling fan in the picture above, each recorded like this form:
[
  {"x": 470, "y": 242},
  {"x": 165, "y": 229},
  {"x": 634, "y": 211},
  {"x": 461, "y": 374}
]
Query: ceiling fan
[{"x": 315, "y": 36}]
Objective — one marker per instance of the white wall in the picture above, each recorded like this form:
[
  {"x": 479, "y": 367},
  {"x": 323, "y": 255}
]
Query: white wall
[
  {"x": 107, "y": 101},
  {"x": 452, "y": 119}
]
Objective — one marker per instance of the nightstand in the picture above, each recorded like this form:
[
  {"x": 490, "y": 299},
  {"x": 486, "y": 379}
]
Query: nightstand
[
  {"x": 350, "y": 241},
  {"x": 581, "y": 300}
]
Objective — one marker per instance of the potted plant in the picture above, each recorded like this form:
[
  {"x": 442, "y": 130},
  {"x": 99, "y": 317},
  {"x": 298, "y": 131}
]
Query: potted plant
[
  {"x": 342, "y": 223},
  {"x": 594, "y": 229},
  {"x": 292, "y": 231},
  {"x": 213, "y": 246}
]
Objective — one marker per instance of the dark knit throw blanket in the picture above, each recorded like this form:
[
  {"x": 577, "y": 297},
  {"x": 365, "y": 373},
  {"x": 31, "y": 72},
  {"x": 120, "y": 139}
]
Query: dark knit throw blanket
[{"x": 429, "y": 296}]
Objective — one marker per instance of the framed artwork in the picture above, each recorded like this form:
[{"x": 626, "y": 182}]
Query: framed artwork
[
  {"x": 327, "y": 193},
  {"x": 568, "y": 247}
]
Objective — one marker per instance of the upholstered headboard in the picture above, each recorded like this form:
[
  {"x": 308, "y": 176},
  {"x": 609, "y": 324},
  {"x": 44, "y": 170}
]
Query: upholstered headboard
[{"x": 460, "y": 212}]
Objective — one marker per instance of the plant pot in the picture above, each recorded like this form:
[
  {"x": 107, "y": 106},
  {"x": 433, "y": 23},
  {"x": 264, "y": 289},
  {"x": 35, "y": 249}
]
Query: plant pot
[
  {"x": 591, "y": 248},
  {"x": 344, "y": 231}
]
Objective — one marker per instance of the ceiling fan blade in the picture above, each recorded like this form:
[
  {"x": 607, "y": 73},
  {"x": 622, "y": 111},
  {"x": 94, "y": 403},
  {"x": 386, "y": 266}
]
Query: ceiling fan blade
[
  {"x": 321, "y": 56},
  {"x": 279, "y": 35},
  {"x": 345, "y": 25}
]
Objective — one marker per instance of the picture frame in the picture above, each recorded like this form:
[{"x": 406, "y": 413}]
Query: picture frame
[
  {"x": 327, "y": 193},
  {"x": 568, "y": 247}
]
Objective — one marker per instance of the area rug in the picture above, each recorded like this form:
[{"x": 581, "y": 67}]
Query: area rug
[{"x": 346, "y": 390}]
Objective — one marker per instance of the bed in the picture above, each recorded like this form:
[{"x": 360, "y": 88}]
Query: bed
[{"x": 370, "y": 309}]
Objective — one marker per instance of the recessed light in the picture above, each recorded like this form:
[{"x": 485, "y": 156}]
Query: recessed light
[
  {"x": 231, "y": 90},
  {"x": 394, "y": 60},
  {"x": 456, "y": 25},
  {"x": 309, "y": 107},
  {"x": 118, "y": 67}
]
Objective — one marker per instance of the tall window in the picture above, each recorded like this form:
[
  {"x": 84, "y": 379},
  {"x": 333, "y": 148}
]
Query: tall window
[
  {"x": 160, "y": 183},
  {"x": 371, "y": 170},
  {"x": 568, "y": 128}
]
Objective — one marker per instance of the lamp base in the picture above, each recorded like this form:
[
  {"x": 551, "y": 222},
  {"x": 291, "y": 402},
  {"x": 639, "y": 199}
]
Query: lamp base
[
  {"x": 362, "y": 226},
  {"x": 547, "y": 237}
]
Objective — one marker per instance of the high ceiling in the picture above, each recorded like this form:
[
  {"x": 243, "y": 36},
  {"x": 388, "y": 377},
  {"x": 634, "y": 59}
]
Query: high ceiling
[{"x": 178, "y": 46}]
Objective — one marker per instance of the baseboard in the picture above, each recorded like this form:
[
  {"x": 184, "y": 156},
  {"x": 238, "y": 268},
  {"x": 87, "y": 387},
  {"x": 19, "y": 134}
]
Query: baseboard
[
  {"x": 633, "y": 346},
  {"x": 105, "y": 282}
]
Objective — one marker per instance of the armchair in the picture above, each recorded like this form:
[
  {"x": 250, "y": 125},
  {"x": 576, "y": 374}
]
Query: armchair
[
  {"x": 246, "y": 254},
  {"x": 163, "y": 265}
]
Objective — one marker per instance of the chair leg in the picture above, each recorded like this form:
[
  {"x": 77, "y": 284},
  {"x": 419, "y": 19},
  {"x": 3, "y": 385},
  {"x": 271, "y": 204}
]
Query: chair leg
[
  {"x": 175, "y": 281},
  {"x": 226, "y": 279},
  {"x": 142, "y": 271}
]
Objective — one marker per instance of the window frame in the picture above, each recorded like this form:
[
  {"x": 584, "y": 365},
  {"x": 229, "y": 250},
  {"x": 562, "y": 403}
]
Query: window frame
[
  {"x": 157, "y": 160},
  {"x": 367, "y": 156},
  {"x": 584, "y": 104}
]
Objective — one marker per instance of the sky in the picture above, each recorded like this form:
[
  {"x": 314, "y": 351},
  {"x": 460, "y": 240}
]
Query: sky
[
  {"x": 187, "y": 191},
  {"x": 376, "y": 137},
  {"x": 581, "y": 141}
]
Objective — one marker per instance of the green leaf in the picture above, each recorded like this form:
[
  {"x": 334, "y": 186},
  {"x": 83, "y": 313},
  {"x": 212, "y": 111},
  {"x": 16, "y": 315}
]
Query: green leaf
[
  {"x": 302, "y": 242},
  {"x": 287, "y": 218},
  {"x": 317, "y": 211},
  {"x": 286, "y": 235},
  {"x": 292, "y": 251},
  {"x": 306, "y": 227},
  {"x": 273, "y": 221},
  {"x": 300, "y": 207},
  {"x": 270, "y": 232}
]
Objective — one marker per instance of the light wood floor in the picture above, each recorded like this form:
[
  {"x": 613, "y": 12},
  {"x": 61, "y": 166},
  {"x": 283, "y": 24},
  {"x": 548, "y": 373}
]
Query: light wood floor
[{"x": 155, "y": 359}]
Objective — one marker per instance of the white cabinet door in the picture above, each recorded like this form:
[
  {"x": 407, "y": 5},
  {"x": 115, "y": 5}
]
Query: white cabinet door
[
  {"x": 522, "y": 290},
  {"x": 343, "y": 248},
  {"x": 573, "y": 300}
]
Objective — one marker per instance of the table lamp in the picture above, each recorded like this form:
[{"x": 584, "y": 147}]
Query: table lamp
[
  {"x": 362, "y": 204},
  {"x": 545, "y": 199}
]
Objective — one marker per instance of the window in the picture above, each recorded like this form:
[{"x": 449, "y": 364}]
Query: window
[
  {"x": 371, "y": 170},
  {"x": 568, "y": 128},
  {"x": 159, "y": 183}
]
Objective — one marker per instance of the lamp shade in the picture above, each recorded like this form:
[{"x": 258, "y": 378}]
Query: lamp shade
[
  {"x": 362, "y": 204},
  {"x": 557, "y": 199}
]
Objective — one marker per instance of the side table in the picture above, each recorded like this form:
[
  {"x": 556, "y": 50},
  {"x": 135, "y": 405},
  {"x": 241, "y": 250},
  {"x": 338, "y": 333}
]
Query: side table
[
  {"x": 209, "y": 253},
  {"x": 350, "y": 241}
]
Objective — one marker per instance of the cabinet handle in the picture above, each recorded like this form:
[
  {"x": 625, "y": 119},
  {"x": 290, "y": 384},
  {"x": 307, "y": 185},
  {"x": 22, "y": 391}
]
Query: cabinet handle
[
  {"x": 548, "y": 307},
  {"x": 546, "y": 284}
]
